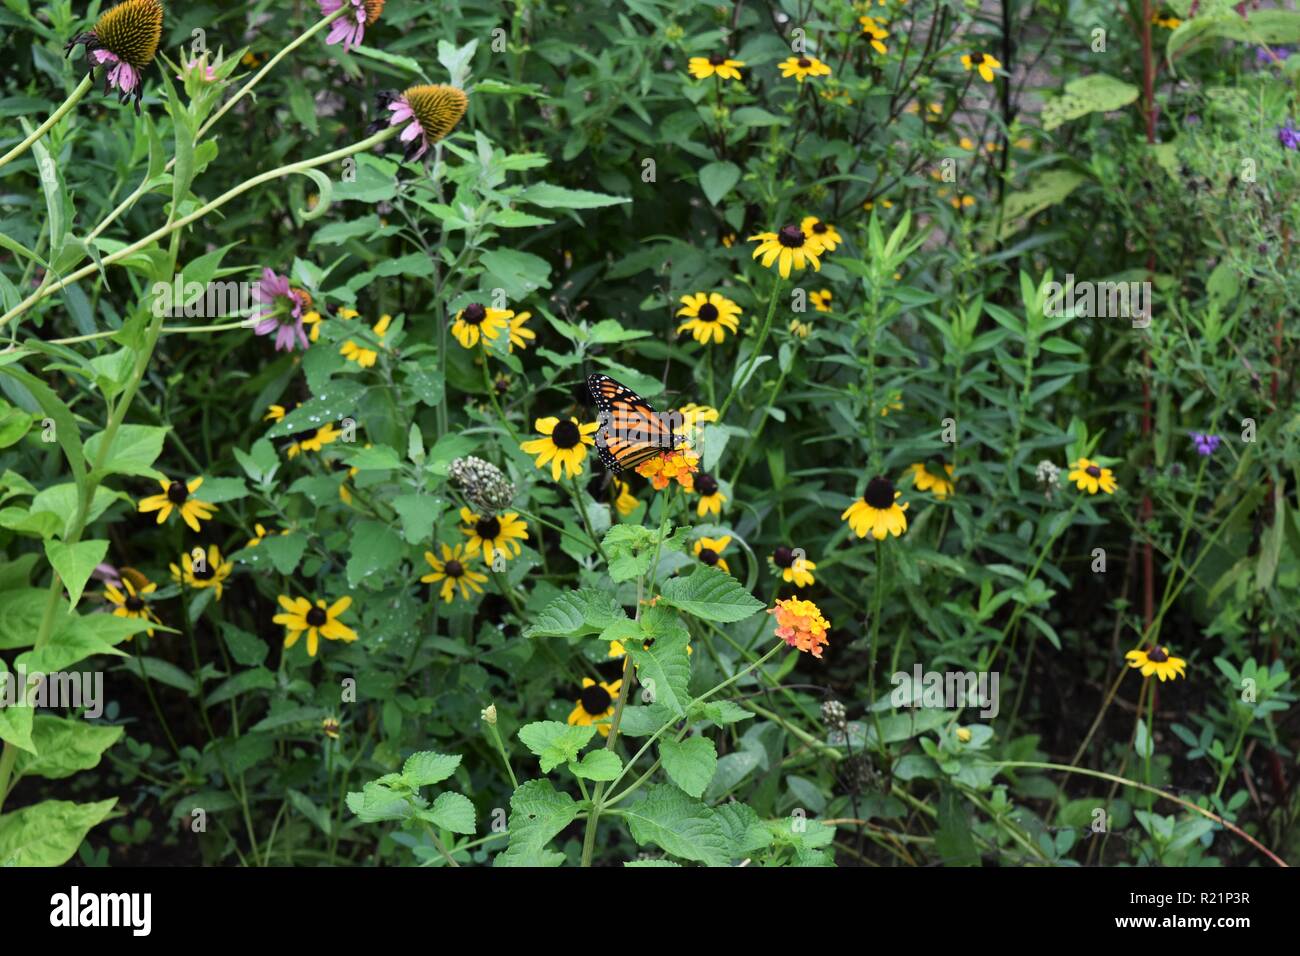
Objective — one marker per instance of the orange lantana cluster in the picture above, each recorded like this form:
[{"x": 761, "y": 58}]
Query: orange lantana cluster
[{"x": 800, "y": 624}]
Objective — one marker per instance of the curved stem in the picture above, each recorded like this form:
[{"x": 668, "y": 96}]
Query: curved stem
[
  {"x": 73, "y": 98},
  {"x": 758, "y": 347},
  {"x": 199, "y": 213}
]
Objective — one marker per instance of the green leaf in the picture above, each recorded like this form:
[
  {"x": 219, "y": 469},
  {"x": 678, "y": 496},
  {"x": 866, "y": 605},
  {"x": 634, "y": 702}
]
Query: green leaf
[
  {"x": 375, "y": 547},
  {"x": 285, "y": 550},
  {"x": 377, "y": 803},
  {"x": 678, "y": 824},
  {"x": 48, "y": 833},
  {"x": 258, "y": 678},
  {"x": 66, "y": 745},
  {"x": 418, "y": 514},
  {"x": 598, "y": 765},
  {"x": 520, "y": 274},
  {"x": 577, "y": 613},
  {"x": 134, "y": 450},
  {"x": 718, "y": 179},
  {"x": 664, "y": 667},
  {"x": 557, "y": 197},
  {"x": 451, "y": 811},
  {"x": 690, "y": 763},
  {"x": 555, "y": 743},
  {"x": 1045, "y": 190},
  {"x": 711, "y": 595},
  {"x": 20, "y": 616},
  {"x": 163, "y": 672},
  {"x": 426, "y": 767},
  {"x": 537, "y": 814},
  {"x": 75, "y": 563},
  {"x": 1095, "y": 93}
]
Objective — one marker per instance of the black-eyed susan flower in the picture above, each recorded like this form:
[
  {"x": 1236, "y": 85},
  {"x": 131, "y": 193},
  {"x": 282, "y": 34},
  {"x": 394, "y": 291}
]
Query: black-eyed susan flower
[
  {"x": 985, "y": 63},
  {"x": 618, "y": 651},
  {"x": 176, "y": 496},
  {"x": 719, "y": 65},
  {"x": 259, "y": 534},
  {"x": 678, "y": 465},
  {"x": 313, "y": 439},
  {"x": 125, "y": 39},
  {"x": 132, "y": 601},
  {"x": 711, "y": 497},
  {"x": 692, "y": 417},
  {"x": 361, "y": 354},
  {"x": 595, "y": 705},
  {"x": 430, "y": 112},
  {"x": 1157, "y": 661},
  {"x": 1091, "y": 477},
  {"x": 275, "y": 413},
  {"x": 933, "y": 475},
  {"x": 875, "y": 32},
  {"x": 793, "y": 567},
  {"x": 312, "y": 322},
  {"x": 317, "y": 620},
  {"x": 493, "y": 534},
  {"x": 709, "y": 317},
  {"x": 203, "y": 569},
  {"x": 822, "y": 232},
  {"x": 1163, "y": 18},
  {"x": 625, "y": 503},
  {"x": 281, "y": 308},
  {"x": 801, "y": 625},
  {"x": 802, "y": 67},
  {"x": 788, "y": 247},
  {"x": 563, "y": 443},
  {"x": 821, "y": 300},
  {"x": 477, "y": 321},
  {"x": 709, "y": 551},
  {"x": 520, "y": 335},
  {"x": 800, "y": 329},
  {"x": 877, "y": 512},
  {"x": 454, "y": 572},
  {"x": 330, "y": 727},
  {"x": 350, "y": 29}
]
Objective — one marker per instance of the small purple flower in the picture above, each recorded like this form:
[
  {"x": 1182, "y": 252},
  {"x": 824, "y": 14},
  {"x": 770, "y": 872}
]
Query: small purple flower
[
  {"x": 1288, "y": 135},
  {"x": 281, "y": 312},
  {"x": 1205, "y": 443},
  {"x": 1264, "y": 55}
]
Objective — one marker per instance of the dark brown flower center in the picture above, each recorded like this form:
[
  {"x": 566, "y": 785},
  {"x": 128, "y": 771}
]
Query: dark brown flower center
[
  {"x": 203, "y": 571},
  {"x": 804, "y": 63},
  {"x": 134, "y": 603},
  {"x": 566, "y": 435},
  {"x": 488, "y": 528},
  {"x": 879, "y": 493},
  {"x": 976, "y": 59},
  {"x": 1094, "y": 471},
  {"x": 708, "y": 556},
  {"x": 437, "y": 108},
  {"x": 454, "y": 569},
  {"x": 316, "y": 617},
  {"x": 177, "y": 493},
  {"x": 132, "y": 31},
  {"x": 474, "y": 314},
  {"x": 717, "y": 59},
  {"x": 708, "y": 312},
  {"x": 706, "y": 485},
  {"x": 791, "y": 237},
  {"x": 1158, "y": 655},
  {"x": 595, "y": 700},
  {"x": 783, "y": 557},
  {"x": 819, "y": 228}
]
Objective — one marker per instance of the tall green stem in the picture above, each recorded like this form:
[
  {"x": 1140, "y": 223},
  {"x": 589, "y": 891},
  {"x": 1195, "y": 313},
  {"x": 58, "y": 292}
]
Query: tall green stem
[{"x": 73, "y": 98}]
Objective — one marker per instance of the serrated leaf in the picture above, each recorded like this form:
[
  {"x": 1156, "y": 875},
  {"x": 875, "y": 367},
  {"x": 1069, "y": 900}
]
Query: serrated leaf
[
  {"x": 537, "y": 814},
  {"x": 555, "y": 743},
  {"x": 75, "y": 563},
  {"x": 426, "y": 767},
  {"x": 598, "y": 765},
  {"x": 711, "y": 595},
  {"x": 678, "y": 824},
  {"x": 577, "y": 613},
  {"x": 451, "y": 811},
  {"x": 689, "y": 763}
]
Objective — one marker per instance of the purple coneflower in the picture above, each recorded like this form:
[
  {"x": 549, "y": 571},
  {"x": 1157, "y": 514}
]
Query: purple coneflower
[
  {"x": 350, "y": 30},
  {"x": 429, "y": 112},
  {"x": 1288, "y": 135},
  {"x": 281, "y": 312},
  {"x": 1205, "y": 443},
  {"x": 125, "y": 38}
]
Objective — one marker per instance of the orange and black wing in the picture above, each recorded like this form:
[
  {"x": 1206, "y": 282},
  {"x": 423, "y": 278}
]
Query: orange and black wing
[{"x": 631, "y": 431}]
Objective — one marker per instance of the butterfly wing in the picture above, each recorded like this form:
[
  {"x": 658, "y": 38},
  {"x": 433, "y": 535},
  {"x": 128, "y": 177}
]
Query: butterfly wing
[{"x": 631, "y": 431}]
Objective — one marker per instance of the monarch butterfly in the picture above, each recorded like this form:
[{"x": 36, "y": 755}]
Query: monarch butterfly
[{"x": 631, "y": 431}]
